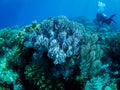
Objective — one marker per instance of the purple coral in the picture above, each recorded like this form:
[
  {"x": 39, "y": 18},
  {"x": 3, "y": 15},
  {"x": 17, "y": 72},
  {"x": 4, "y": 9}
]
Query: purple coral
[{"x": 58, "y": 36}]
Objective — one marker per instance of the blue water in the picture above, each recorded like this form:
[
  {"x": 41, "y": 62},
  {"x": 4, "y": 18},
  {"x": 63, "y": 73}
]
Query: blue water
[{"x": 22, "y": 12}]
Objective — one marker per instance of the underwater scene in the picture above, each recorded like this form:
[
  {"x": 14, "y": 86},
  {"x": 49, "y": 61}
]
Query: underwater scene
[{"x": 60, "y": 45}]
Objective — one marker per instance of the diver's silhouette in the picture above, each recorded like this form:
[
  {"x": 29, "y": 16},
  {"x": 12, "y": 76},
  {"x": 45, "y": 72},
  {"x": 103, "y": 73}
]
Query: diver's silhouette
[{"x": 101, "y": 18}]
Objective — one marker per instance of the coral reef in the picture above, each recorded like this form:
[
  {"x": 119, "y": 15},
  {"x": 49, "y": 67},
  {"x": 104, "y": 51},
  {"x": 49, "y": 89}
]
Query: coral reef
[
  {"x": 101, "y": 83},
  {"x": 60, "y": 54},
  {"x": 114, "y": 44},
  {"x": 57, "y": 36},
  {"x": 90, "y": 55},
  {"x": 7, "y": 39},
  {"x": 8, "y": 78}
]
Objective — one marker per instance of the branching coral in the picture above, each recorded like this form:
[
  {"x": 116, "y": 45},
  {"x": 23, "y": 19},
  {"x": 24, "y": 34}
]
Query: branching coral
[
  {"x": 7, "y": 39},
  {"x": 8, "y": 48},
  {"x": 43, "y": 80},
  {"x": 8, "y": 77}
]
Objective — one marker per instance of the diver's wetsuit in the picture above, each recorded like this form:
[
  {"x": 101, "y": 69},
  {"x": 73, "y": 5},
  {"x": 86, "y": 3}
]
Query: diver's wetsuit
[{"x": 101, "y": 18}]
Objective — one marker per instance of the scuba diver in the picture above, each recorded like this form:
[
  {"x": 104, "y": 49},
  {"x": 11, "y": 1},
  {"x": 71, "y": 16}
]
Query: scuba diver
[{"x": 101, "y": 17}]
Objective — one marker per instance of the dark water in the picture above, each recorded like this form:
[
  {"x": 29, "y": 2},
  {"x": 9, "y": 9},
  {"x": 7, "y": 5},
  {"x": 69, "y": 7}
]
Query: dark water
[{"x": 22, "y": 12}]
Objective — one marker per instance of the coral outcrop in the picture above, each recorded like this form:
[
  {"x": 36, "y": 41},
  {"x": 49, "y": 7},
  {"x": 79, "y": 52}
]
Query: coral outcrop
[{"x": 60, "y": 54}]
